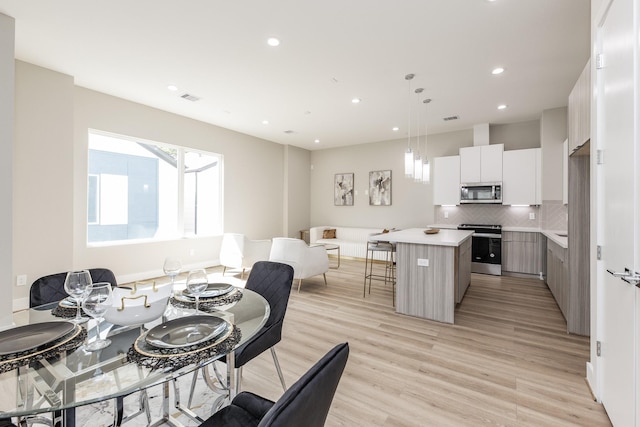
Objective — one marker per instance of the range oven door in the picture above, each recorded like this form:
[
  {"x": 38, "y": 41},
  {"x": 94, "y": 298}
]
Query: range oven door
[{"x": 486, "y": 253}]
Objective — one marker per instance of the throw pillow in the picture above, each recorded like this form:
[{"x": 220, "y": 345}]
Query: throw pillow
[{"x": 329, "y": 234}]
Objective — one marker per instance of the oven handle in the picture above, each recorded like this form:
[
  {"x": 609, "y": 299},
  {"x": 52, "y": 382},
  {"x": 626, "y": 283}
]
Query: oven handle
[{"x": 492, "y": 236}]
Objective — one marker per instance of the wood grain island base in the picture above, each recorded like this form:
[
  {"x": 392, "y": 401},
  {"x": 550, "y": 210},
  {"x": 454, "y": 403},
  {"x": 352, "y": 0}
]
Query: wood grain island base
[{"x": 433, "y": 271}]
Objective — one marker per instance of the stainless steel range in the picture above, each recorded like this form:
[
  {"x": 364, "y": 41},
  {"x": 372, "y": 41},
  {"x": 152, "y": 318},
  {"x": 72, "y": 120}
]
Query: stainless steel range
[{"x": 486, "y": 248}]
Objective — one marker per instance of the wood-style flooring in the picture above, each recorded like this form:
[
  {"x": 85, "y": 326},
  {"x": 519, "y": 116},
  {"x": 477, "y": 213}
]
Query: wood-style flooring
[{"x": 507, "y": 360}]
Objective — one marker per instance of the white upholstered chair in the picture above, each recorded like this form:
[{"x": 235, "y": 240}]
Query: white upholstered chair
[
  {"x": 307, "y": 261},
  {"x": 237, "y": 251}
]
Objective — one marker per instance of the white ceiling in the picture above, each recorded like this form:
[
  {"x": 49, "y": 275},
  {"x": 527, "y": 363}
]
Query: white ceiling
[{"x": 331, "y": 51}]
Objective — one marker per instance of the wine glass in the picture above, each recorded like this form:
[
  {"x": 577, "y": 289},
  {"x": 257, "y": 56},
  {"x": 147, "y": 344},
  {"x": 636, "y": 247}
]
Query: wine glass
[
  {"x": 97, "y": 301},
  {"x": 197, "y": 282},
  {"x": 76, "y": 284},
  {"x": 172, "y": 268}
]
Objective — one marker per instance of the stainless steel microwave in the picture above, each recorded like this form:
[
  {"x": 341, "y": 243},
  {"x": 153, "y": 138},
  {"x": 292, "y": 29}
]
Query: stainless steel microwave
[{"x": 485, "y": 192}]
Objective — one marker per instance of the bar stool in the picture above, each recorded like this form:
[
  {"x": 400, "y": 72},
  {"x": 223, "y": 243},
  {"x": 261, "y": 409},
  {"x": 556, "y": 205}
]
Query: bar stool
[{"x": 389, "y": 276}]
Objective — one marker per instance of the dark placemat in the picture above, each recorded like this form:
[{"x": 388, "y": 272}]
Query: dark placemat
[
  {"x": 65, "y": 312},
  {"x": 176, "y": 358},
  {"x": 208, "y": 304},
  {"x": 69, "y": 342}
]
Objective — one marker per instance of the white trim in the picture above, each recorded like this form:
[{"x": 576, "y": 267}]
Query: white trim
[
  {"x": 152, "y": 274},
  {"x": 20, "y": 304}
]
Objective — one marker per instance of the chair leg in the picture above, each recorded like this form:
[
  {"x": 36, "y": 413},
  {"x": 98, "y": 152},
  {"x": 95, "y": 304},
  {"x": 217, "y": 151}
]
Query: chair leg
[
  {"x": 368, "y": 263},
  {"x": 238, "y": 374},
  {"x": 242, "y": 274},
  {"x": 275, "y": 361},
  {"x": 325, "y": 279},
  {"x": 299, "y": 283},
  {"x": 224, "y": 268}
]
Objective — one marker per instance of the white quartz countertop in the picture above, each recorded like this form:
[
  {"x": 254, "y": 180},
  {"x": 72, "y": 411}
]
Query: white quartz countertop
[
  {"x": 560, "y": 239},
  {"x": 444, "y": 237},
  {"x": 444, "y": 226}
]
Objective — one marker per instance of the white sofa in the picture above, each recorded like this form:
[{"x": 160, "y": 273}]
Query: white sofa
[{"x": 352, "y": 240}]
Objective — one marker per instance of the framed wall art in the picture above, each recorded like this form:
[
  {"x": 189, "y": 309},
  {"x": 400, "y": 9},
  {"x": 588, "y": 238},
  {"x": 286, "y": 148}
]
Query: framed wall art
[
  {"x": 380, "y": 188},
  {"x": 343, "y": 189}
]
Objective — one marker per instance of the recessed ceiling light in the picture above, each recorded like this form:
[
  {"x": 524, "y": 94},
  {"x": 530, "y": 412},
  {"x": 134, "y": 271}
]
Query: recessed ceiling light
[
  {"x": 265, "y": 122},
  {"x": 502, "y": 106},
  {"x": 317, "y": 141},
  {"x": 497, "y": 70},
  {"x": 272, "y": 41},
  {"x": 395, "y": 129},
  {"x": 172, "y": 88},
  {"x": 356, "y": 100}
]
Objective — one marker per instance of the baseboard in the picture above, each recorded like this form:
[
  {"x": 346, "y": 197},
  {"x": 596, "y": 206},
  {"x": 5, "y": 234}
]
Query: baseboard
[
  {"x": 20, "y": 304},
  {"x": 591, "y": 381},
  {"x": 154, "y": 274},
  {"x": 520, "y": 275}
]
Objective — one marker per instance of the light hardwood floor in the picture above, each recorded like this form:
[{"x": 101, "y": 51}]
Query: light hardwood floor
[{"x": 506, "y": 361}]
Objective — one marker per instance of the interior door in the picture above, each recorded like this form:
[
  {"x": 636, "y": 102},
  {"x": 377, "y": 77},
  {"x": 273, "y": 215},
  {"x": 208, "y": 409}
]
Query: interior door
[{"x": 617, "y": 200}]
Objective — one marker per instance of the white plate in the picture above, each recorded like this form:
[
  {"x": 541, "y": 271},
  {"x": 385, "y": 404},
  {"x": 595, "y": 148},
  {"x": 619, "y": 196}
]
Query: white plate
[
  {"x": 29, "y": 337},
  {"x": 186, "y": 331}
]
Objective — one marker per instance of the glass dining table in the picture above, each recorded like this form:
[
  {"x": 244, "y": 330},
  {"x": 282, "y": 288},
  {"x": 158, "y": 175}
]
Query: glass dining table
[{"x": 71, "y": 379}]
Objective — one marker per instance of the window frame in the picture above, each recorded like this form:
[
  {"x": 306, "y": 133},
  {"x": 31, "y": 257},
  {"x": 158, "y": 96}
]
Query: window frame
[{"x": 180, "y": 233}]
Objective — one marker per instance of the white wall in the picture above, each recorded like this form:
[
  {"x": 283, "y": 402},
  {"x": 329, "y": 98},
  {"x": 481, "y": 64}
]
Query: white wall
[
  {"x": 253, "y": 176},
  {"x": 297, "y": 196},
  {"x": 516, "y": 136},
  {"x": 43, "y": 177},
  {"x": 412, "y": 203},
  {"x": 553, "y": 132},
  {"x": 7, "y": 89},
  {"x": 52, "y": 121}
]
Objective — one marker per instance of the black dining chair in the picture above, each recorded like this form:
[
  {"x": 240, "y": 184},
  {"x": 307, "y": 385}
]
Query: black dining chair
[
  {"x": 48, "y": 289},
  {"x": 306, "y": 403},
  {"x": 273, "y": 281}
]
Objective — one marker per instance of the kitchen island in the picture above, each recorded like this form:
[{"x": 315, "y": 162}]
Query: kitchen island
[{"x": 433, "y": 271}]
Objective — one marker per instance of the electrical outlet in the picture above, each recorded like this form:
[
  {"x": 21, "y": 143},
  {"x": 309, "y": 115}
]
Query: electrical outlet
[
  {"x": 423, "y": 262},
  {"x": 446, "y": 214},
  {"x": 21, "y": 280},
  {"x": 532, "y": 215},
  {"x": 192, "y": 252}
]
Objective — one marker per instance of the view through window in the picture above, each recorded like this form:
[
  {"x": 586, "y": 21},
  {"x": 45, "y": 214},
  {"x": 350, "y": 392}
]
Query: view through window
[{"x": 145, "y": 190}]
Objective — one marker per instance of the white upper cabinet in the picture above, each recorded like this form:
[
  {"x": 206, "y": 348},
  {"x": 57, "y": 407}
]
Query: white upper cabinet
[
  {"x": 470, "y": 164},
  {"x": 579, "y": 110},
  {"x": 522, "y": 174},
  {"x": 446, "y": 180},
  {"x": 481, "y": 163}
]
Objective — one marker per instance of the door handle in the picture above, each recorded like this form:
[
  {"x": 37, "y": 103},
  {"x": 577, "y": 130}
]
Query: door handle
[
  {"x": 627, "y": 276},
  {"x": 633, "y": 279},
  {"x": 627, "y": 272}
]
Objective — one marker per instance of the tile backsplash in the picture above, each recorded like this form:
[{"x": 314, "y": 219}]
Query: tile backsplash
[
  {"x": 554, "y": 215},
  {"x": 551, "y": 215}
]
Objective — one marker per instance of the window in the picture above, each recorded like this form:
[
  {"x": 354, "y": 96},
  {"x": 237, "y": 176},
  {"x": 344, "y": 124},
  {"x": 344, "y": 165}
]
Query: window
[{"x": 145, "y": 190}]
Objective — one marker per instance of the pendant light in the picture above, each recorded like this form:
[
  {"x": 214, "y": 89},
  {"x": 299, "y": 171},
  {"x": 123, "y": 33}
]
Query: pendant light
[
  {"x": 426, "y": 169},
  {"x": 417, "y": 169},
  {"x": 408, "y": 155}
]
